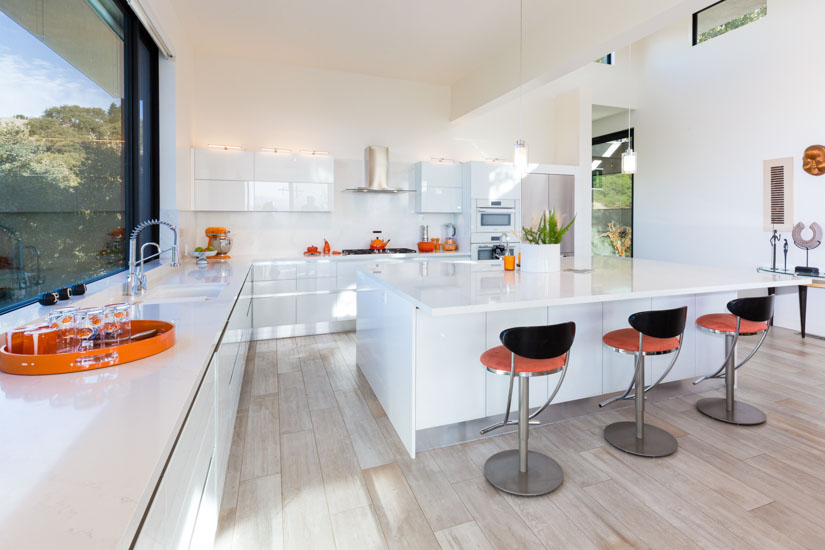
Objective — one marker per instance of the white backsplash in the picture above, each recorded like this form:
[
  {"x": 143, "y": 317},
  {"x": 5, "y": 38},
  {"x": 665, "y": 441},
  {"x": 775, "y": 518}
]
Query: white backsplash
[{"x": 349, "y": 225}]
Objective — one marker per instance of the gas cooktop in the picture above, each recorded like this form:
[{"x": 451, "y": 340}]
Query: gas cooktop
[{"x": 355, "y": 251}]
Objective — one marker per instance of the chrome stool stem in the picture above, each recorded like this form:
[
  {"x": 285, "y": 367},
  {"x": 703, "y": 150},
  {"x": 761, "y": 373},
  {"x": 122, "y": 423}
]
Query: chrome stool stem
[{"x": 523, "y": 425}]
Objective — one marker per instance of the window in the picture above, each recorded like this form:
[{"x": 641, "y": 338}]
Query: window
[
  {"x": 607, "y": 59},
  {"x": 78, "y": 142},
  {"x": 726, "y": 16},
  {"x": 612, "y": 223}
]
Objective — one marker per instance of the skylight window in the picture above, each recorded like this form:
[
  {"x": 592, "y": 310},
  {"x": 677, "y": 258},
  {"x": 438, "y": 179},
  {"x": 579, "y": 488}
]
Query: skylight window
[{"x": 725, "y": 16}]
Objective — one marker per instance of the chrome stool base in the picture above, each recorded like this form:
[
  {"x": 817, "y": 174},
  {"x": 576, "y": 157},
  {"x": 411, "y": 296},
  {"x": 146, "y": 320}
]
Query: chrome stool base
[
  {"x": 656, "y": 443},
  {"x": 741, "y": 415},
  {"x": 543, "y": 474}
]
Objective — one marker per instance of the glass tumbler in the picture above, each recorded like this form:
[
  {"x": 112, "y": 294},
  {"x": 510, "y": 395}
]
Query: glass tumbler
[
  {"x": 64, "y": 320},
  {"x": 122, "y": 314},
  {"x": 89, "y": 327}
]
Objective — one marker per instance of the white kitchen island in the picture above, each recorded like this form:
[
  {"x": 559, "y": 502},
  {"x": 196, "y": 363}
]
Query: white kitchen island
[{"x": 422, "y": 327}]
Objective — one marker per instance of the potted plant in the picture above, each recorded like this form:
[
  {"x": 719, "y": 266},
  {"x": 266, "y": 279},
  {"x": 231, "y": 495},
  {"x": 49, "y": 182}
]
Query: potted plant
[{"x": 541, "y": 245}]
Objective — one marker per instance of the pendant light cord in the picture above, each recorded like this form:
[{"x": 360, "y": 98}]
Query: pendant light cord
[
  {"x": 630, "y": 69},
  {"x": 521, "y": 68}
]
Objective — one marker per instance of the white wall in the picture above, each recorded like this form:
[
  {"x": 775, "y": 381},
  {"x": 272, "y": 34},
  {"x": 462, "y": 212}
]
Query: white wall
[
  {"x": 707, "y": 117},
  {"x": 256, "y": 104}
]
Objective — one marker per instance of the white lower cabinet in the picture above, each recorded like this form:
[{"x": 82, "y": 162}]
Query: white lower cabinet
[{"x": 184, "y": 511}]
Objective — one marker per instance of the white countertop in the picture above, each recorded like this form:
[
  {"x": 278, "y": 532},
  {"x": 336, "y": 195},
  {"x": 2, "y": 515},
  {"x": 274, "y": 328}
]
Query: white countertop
[
  {"x": 81, "y": 453},
  {"x": 367, "y": 257},
  {"x": 449, "y": 288}
]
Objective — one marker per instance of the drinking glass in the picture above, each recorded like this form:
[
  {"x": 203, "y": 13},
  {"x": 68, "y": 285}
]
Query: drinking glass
[
  {"x": 89, "y": 326},
  {"x": 63, "y": 320}
]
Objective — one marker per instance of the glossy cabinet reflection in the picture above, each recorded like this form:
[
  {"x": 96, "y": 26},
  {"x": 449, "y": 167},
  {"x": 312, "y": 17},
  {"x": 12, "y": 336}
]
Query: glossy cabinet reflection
[
  {"x": 261, "y": 181},
  {"x": 184, "y": 511},
  {"x": 438, "y": 187}
]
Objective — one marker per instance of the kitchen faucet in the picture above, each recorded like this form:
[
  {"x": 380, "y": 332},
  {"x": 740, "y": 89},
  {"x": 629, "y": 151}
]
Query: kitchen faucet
[{"x": 136, "y": 283}]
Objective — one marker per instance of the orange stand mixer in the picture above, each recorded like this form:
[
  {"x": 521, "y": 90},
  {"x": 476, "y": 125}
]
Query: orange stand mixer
[{"x": 220, "y": 241}]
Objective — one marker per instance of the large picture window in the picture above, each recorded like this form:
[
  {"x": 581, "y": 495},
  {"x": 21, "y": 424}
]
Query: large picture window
[{"x": 78, "y": 142}]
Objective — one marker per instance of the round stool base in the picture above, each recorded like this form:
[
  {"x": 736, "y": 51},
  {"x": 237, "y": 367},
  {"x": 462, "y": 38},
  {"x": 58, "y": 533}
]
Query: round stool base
[
  {"x": 543, "y": 473},
  {"x": 741, "y": 415},
  {"x": 657, "y": 442}
]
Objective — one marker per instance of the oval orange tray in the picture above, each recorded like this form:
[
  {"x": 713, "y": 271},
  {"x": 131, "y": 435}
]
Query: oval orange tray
[{"x": 99, "y": 358}]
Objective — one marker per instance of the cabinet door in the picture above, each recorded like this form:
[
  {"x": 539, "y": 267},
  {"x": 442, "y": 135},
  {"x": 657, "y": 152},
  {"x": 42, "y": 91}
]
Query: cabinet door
[
  {"x": 273, "y": 311},
  {"x": 316, "y": 268},
  {"x": 439, "y": 200},
  {"x": 317, "y": 284},
  {"x": 262, "y": 288},
  {"x": 271, "y": 196},
  {"x": 294, "y": 168},
  {"x": 312, "y": 197},
  {"x": 274, "y": 271},
  {"x": 494, "y": 181},
  {"x": 222, "y": 195},
  {"x": 321, "y": 308},
  {"x": 214, "y": 164},
  {"x": 438, "y": 174}
]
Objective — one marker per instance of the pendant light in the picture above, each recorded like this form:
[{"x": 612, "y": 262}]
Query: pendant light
[
  {"x": 629, "y": 156},
  {"x": 520, "y": 152}
]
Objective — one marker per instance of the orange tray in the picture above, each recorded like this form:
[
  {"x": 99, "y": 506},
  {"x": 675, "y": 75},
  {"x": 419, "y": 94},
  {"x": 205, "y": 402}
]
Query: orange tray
[{"x": 59, "y": 363}]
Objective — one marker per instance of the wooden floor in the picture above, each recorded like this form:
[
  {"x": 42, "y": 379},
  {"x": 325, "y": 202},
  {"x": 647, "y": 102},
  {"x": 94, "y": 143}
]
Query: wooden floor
[{"x": 315, "y": 464}]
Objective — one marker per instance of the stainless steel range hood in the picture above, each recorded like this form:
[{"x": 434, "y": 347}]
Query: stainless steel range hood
[{"x": 377, "y": 172}]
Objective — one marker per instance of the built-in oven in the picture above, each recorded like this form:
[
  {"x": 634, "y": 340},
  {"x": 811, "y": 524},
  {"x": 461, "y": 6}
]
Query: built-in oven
[
  {"x": 492, "y": 251},
  {"x": 494, "y": 216}
]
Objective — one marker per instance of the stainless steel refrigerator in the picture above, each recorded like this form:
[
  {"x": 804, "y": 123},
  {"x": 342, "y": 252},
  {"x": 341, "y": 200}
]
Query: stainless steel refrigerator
[{"x": 541, "y": 192}]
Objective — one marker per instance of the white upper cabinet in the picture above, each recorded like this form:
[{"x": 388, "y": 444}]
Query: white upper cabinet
[
  {"x": 294, "y": 168},
  {"x": 270, "y": 182},
  {"x": 438, "y": 187},
  {"x": 214, "y": 164},
  {"x": 493, "y": 180}
]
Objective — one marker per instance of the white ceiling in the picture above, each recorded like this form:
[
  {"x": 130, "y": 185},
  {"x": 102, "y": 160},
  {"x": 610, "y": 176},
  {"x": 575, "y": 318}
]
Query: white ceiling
[
  {"x": 435, "y": 41},
  {"x": 604, "y": 111}
]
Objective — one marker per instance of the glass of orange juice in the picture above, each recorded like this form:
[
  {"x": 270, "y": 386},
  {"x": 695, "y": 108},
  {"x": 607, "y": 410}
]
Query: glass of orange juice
[{"x": 509, "y": 263}]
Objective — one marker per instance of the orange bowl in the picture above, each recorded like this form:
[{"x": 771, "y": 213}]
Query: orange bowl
[{"x": 424, "y": 246}]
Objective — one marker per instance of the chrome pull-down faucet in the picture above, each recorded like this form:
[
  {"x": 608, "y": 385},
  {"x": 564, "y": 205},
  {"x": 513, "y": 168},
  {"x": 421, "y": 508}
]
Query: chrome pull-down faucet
[{"x": 136, "y": 283}]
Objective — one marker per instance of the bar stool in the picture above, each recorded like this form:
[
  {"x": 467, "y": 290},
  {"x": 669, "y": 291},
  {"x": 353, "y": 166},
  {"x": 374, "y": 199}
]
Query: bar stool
[
  {"x": 653, "y": 333},
  {"x": 747, "y": 317},
  {"x": 527, "y": 352}
]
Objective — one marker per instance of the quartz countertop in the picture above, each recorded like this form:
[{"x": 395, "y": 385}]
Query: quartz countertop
[
  {"x": 366, "y": 257},
  {"x": 449, "y": 288},
  {"x": 81, "y": 453}
]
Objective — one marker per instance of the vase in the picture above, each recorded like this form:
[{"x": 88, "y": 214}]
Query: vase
[{"x": 540, "y": 258}]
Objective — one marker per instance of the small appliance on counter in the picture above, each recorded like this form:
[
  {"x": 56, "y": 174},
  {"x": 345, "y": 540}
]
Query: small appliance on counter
[
  {"x": 220, "y": 241},
  {"x": 449, "y": 238},
  {"x": 377, "y": 243}
]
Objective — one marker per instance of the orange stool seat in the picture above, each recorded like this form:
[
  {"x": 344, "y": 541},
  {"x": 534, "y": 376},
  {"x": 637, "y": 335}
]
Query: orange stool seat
[
  {"x": 726, "y": 322},
  {"x": 497, "y": 360},
  {"x": 627, "y": 339}
]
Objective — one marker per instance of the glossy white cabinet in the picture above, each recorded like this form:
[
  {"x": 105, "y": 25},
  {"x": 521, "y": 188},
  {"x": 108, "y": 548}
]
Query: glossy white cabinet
[
  {"x": 292, "y": 197},
  {"x": 294, "y": 168},
  {"x": 268, "y": 182},
  {"x": 216, "y": 164},
  {"x": 439, "y": 187},
  {"x": 492, "y": 180},
  {"x": 223, "y": 195},
  {"x": 273, "y": 311}
]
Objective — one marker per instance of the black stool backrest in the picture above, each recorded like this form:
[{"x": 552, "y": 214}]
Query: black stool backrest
[
  {"x": 542, "y": 342},
  {"x": 758, "y": 309},
  {"x": 665, "y": 323}
]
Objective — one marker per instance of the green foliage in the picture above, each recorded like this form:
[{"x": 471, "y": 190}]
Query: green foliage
[
  {"x": 758, "y": 13},
  {"x": 613, "y": 191},
  {"x": 22, "y": 156},
  {"x": 549, "y": 229}
]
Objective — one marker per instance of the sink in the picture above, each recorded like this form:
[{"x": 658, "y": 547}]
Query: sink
[{"x": 182, "y": 293}]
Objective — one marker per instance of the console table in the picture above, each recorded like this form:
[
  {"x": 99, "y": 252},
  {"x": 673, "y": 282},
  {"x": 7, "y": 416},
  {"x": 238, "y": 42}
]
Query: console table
[{"x": 818, "y": 282}]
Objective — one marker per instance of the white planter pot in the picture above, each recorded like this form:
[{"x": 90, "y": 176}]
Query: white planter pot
[{"x": 540, "y": 258}]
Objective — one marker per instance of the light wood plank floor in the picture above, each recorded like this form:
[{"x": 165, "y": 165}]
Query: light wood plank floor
[{"x": 315, "y": 464}]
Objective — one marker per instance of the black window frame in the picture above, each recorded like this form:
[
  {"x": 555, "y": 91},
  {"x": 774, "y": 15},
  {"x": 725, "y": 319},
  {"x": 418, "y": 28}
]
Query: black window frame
[
  {"x": 614, "y": 136},
  {"x": 695, "y": 22},
  {"x": 134, "y": 35}
]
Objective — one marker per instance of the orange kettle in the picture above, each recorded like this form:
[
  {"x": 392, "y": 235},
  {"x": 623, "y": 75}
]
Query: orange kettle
[{"x": 378, "y": 244}]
